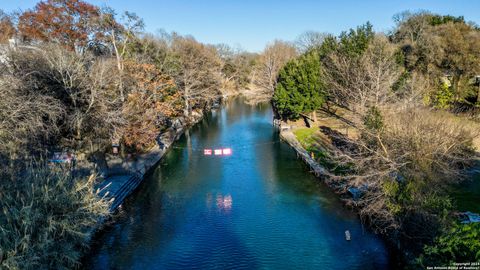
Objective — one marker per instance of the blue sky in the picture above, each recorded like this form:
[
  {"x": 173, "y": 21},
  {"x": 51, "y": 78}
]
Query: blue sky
[{"x": 252, "y": 24}]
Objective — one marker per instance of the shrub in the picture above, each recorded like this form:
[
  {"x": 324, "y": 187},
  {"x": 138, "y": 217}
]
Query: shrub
[
  {"x": 443, "y": 97},
  {"x": 373, "y": 119},
  {"x": 407, "y": 166},
  {"x": 46, "y": 215},
  {"x": 461, "y": 243}
]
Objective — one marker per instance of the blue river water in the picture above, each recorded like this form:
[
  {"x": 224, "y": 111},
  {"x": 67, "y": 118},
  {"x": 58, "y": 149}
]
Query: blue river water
[{"x": 258, "y": 208}]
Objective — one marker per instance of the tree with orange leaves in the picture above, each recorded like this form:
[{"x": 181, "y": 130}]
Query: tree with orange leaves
[
  {"x": 152, "y": 98},
  {"x": 67, "y": 22},
  {"x": 7, "y": 30}
]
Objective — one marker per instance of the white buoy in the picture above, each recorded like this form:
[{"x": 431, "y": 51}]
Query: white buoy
[{"x": 347, "y": 235}]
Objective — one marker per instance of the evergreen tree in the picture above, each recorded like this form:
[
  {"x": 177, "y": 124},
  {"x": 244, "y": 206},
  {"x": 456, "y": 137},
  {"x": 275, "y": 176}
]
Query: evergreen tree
[
  {"x": 300, "y": 88},
  {"x": 355, "y": 42}
]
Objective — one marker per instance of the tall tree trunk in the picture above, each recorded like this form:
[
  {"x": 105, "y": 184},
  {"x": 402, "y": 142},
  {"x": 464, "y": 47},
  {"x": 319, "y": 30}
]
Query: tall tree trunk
[
  {"x": 119, "y": 67},
  {"x": 78, "y": 128},
  {"x": 186, "y": 93}
]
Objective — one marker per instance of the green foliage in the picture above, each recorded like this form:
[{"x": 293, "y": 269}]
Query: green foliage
[
  {"x": 400, "y": 87},
  {"x": 439, "y": 19},
  {"x": 399, "y": 195},
  {"x": 300, "y": 88},
  {"x": 434, "y": 45},
  {"x": 391, "y": 189},
  {"x": 45, "y": 217},
  {"x": 400, "y": 57},
  {"x": 438, "y": 204},
  {"x": 408, "y": 195},
  {"x": 461, "y": 243},
  {"x": 305, "y": 136},
  {"x": 443, "y": 97},
  {"x": 373, "y": 119},
  {"x": 355, "y": 42}
]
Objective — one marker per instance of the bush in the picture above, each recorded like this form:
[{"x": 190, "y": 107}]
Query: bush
[
  {"x": 408, "y": 166},
  {"x": 461, "y": 243},
  {"x": 373, "y": 119},
  {"x": 443, "y": 97},
  {"x": 46, "y": 215}
]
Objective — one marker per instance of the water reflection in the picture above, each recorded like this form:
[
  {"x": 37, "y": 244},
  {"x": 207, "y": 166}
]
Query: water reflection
[{"x": 222, "y": 203}]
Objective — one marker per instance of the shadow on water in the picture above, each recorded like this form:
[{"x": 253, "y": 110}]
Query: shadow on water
[
  {"x": 467, "y": 194},
  {"x": 258, "y": 208}
]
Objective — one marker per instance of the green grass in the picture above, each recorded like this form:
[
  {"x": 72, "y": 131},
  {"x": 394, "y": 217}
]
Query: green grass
[
  {"x": 308, "y": 139},
  {"x": 306, "y": 136}
]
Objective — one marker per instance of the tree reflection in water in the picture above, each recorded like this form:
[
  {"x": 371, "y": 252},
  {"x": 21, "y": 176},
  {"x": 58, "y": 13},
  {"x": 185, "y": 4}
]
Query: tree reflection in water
[{"x": 223, "y": 202}]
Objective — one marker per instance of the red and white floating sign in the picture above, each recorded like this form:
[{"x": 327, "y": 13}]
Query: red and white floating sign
[{"x": 218, "y": 152}]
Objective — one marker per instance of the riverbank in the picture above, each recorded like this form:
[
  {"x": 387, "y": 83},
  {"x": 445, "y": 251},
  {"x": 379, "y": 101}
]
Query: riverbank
[
  {"x": 347, "y": 195},
  {"x": 287, "y": 135},
  {"x": 245, "y": 210},
  {"x": 315, "y": 140},
  {"x": 321, "y": 171},
  {"x": 123, "y": 177}
]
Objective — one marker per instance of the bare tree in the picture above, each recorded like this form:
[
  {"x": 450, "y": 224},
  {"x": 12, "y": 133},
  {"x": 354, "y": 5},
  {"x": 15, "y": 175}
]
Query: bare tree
[
  {"x": 412, "y": 153},
  {"x": 83, "y": 88},
  {"x": 381, "y": 71},
  {"x": 119, "y": 34},
  {"x": 410, "y": 26},
  {"x": 199, "y": 73},
  {"x": 236, "y": 67},
  {"x": 309, "y": 40},
  {"x": 273, "y": 58},
  {"x": 27, "y": 118},
  {"x": 359, "y": 83}
]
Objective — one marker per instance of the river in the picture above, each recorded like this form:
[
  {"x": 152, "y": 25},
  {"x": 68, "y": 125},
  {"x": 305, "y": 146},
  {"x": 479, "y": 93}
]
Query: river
[{"x": 257, "y": 208}]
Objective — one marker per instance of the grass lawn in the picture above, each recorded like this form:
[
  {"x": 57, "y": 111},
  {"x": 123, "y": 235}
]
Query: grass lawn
[
  {"x": 306, "y": 136},
  {"x": 311, "y": 139}
]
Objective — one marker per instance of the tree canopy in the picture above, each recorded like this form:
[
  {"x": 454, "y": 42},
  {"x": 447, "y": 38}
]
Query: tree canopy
[
  {"x": 68, "y": 22},
  {"x": 300, "y": 88}
]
